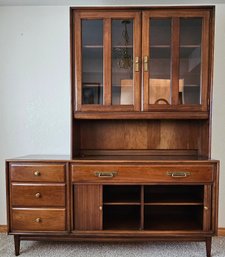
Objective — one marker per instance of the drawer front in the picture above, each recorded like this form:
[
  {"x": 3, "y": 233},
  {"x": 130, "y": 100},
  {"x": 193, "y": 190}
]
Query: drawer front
[
  {"x": 22, "y": 172},
  {"x": 142, "y": 174},
  {"x": 33, "y": 195},
  {"x": 39, "y": 220}
]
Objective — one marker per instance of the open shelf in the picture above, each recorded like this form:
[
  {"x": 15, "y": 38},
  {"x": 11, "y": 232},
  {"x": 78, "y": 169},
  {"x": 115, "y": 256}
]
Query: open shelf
[
  {"x": 121, "y": 195},
  {"x": 174, "y": 195},
  {"x": 121, "y": 217},
  {"x": 173, "y": 218}
]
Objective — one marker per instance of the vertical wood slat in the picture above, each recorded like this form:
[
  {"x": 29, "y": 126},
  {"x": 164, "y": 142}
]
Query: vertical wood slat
[
  {"x": 175, "y": 62},
  {"x": 78, "y": 63},
  {"x": 145, "y": 52},
  {"x": 205, "y": 60},
  {"x": 107, "y": 70},
  {"x": 207, "y": 212},
  {"x": 137, "y": 53}
]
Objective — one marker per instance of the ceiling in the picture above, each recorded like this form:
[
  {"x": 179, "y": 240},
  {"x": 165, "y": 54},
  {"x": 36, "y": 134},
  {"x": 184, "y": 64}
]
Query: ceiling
[{"x": 107, "y": 2}]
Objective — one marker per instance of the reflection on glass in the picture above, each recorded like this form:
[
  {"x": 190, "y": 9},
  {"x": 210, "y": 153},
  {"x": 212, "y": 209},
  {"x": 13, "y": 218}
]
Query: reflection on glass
[
  {"x": 122, "y": 62},
  {"x": 160, "y": 61},
  {"x": 92, "y": 61},
  {"x": 190, "y": 60}
]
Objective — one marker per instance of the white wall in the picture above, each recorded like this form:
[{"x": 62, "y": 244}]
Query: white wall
[
  {"x": 35, "y": 87},
  {"x": 218, "y": 126},
  {"x": 34, "y": 84}
]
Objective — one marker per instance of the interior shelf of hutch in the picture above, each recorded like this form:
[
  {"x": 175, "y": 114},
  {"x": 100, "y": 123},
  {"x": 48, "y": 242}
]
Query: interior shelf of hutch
[{"x": 140, "y": 139}]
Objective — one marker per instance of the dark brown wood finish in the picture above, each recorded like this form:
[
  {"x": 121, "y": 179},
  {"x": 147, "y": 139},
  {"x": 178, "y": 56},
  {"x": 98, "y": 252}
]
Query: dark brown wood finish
[
  {"x": 175, "y": 59},
  {"x": 17, "y": 244},
  {"x": 142, "y": 174},
  {"x": 107, "y": 63},
  {"x": 208, "y": 246},
  {"x": 33, "y": 195},
  {"x": 37, "y": 172},
  {"x": 138, "y": 172},
  {"x": 34, "y": 219},
  {"x": 207, "y": 208},
  {"x": 87, "y": 207}
]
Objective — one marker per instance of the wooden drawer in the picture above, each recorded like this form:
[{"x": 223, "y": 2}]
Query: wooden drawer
[
  {"x": 39, "y": 219},
  {"x": 142, "y": 173},
  {"x": 37, "y": 172},
  {"x": 34, "y": 195}
]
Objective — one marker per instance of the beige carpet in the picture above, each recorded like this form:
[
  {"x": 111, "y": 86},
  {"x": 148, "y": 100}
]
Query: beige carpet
[{"x": 151, "y": 249}]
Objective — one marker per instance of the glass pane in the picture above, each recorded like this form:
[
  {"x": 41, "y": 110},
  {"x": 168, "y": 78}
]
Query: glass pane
[
  {"x": 190, "y": 60},
  {"x": 92, "y": 61},
  {"x": 160, "y": 61},
  {"x": 122, "y": 62}
]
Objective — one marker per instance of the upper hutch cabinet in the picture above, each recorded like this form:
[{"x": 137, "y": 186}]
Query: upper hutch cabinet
[{"x": 142, "y": 60}]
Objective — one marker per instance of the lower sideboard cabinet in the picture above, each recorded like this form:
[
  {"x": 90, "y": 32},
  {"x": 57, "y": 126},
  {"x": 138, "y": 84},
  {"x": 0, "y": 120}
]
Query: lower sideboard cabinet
[{"x": 110, "y": 201}]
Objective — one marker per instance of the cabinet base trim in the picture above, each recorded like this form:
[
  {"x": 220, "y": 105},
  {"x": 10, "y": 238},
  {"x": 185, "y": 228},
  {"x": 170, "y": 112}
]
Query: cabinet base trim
[
  {"x": 3, "y": 228},
  {"x": 221, "y": 232}
]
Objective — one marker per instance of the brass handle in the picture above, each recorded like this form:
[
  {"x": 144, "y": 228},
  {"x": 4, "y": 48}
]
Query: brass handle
[
  {"x": 105, "y": 174},
  {"x": 38, "y": 220},
  {"x": 137, "y": 64},
  {"x": 100, "y": 208},
  {"x": 179, "y": 174},
  {"x": 206, "y": 208},
  {"x": 37, "y": 195},
  {"x": 37, "y": 173},
  {"x": 146, "y": 63}
]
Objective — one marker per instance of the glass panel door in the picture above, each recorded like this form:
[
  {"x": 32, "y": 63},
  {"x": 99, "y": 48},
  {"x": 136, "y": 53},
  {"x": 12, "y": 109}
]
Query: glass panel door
[
  {"x": 122, "y": 62},
  {"x": 107, "y": 61},
  {"x": 175, "y": 49},
  {"x": 92, "y": 61},
  {"x": 159, "y": 64},
  {"x": 190, "y": 60}
]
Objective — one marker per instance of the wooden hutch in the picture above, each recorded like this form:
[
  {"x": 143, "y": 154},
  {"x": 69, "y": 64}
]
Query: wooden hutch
[{"x": 140, "y": 167}]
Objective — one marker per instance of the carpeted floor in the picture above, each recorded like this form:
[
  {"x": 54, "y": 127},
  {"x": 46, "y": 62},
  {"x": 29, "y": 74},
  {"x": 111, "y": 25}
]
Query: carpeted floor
[{"x": 68, "y": 249}]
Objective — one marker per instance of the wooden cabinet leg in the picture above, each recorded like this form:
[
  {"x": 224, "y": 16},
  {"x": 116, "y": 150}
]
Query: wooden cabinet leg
[
  {"x": 208, "y": 246},
  {"x": 17, "y": 244}
]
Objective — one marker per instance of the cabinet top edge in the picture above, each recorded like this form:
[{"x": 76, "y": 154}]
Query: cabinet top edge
[
  {"x": 67, "y": 158},
  {"x": 140, "y": 8}
]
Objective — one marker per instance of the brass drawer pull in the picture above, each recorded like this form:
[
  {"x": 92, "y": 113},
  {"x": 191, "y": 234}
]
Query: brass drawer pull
[
  {"x": 37, "y": 195},
  {"x": 106, "y": 174},
  {"x": 38, "y": 220},
  {"x": 37, "y": 173},
  {"x": 179, "y": 174}
]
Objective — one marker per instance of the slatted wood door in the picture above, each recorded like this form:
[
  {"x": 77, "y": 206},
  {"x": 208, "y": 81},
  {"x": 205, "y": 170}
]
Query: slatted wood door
[{"x": 87, "y": 207}]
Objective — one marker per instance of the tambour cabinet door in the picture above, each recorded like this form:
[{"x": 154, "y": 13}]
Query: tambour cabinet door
[{"x": 87, "y": 207}]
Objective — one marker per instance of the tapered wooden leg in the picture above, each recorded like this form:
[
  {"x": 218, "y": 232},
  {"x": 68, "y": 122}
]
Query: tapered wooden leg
[
  {"x": 17, "y": 244},
  {"x": 208, "y": 246}
]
